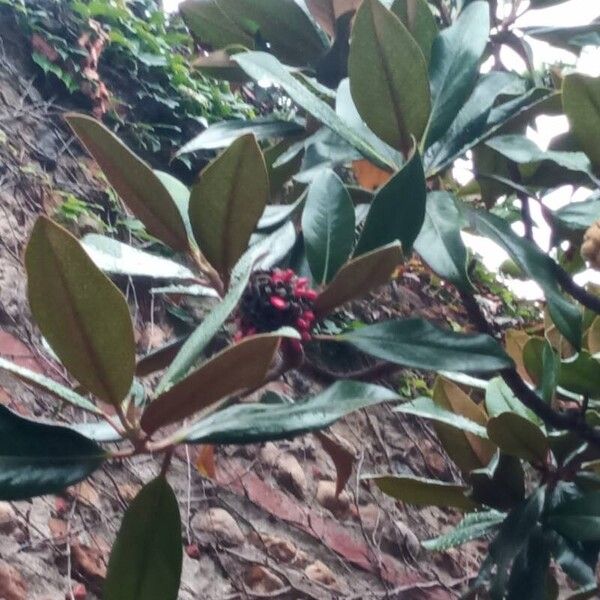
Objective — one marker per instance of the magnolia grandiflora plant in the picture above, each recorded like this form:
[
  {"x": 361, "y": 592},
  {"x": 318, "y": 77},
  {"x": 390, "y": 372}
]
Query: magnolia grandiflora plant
[{"x": 268, "y": 313}]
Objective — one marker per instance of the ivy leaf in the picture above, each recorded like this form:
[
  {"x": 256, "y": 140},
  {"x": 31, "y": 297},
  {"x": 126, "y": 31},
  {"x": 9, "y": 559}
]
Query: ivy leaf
[
  {"x": 358, "y": 276},
  {"x": 240, "y": 366},
  {"x": 454, "y": 66},
  {"x": 146, "y": 559},
  {"x": 383, "y": 57},
  {"x": 518, "y": 437},
  {"x": 80, "y": 312},
  {"x": 419, "y": 344},
  {"x": 538, "y": 265},
  {"x": 398, "y": 209},
  {"x": 254, "y": 423},
  {"x": 38, "y": 459},
  {"x": 221, "y": 135},
  {"x": 49, "y": 385},
  {"x": 440, "y": 243},
  {"x": 419, "y": 20},
  {"x": 135, "y": 182},
  {"x": 473, "y": 526},
  {"x": 327, "y": 225},
  {"x": 424, "y": 492},
  {"x": 261, "y": 65},
  {"x": 227, "y": 202},
  {"x": 581, "y": 101}
]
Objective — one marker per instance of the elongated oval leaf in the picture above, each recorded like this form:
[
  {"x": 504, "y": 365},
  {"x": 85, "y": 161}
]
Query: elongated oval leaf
[
  {"x": 428, "y": 409},
  {"x": 581, "y": 101},
  {"x": 327, "y": 225},
  {"x": 135, "y": 182},
  {"x": 359, "y": 276},
  {"x": 440, "y": 244},
  {"x": 424, "y": 492},
  {"x": 221, "y": 135},
  {"x": 472, "y": 527},
  {"x": 49, "y": 385},
  {"x": 578, "y": 519},
  {"x": 419, "y": 344},
  {"x": 80, "y": 312},
  {"x": 38, "y": 459},
  {"x": 243, "y": 365},
  {"x": 227, "y": 202},
  {"x": 117, "y": 258},
  {"x": 383, "y": 58},
  {"x": 282, "y": 25},
  {"x": 419, "y": 20},
  {"x": 253, "y": 423},
  {"x": 499, "y": 399},
  {"x": 518, "y": 437},
  {"x": 538, "y": 265},
  {"x": 192, "y": 349},
  {"x": 468, "y": 451},
  {"x": 261, "y": 65},
  {"x": 397, "y": 211},
  {"x": 146, "y": 559},
  {"x": 454, "y": 66}
]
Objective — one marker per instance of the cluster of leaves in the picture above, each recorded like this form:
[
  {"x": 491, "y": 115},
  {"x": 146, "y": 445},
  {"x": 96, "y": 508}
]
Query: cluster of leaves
[
  {"x": 126, "y": 59},
  {"x": 527, "y": 447}
]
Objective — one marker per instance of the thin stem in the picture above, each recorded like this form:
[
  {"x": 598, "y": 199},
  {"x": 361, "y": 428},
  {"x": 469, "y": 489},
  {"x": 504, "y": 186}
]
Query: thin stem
[
  {"x": 570, "y": 422},
  {"x": 208, "y": 270},
  {"x": 166, "y": 462},
  {"x": 580, "y": 294}
]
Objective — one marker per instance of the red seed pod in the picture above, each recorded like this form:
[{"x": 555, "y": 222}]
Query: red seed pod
[{"x": 278, "y": 303}]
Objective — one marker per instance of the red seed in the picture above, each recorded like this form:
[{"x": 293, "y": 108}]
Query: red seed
[
  {"x": 193, "y": 551},
  {"x": 308, "y": 315},
  {"x": 278, "y": 303},
  {"x": 302, "y": 282},
  {"x": 308, "y": 294},
  {"x": 79, "y": 592},
  {"x": 302, "y": 324},
  {"x": 238, "y": 336},
  {"x": 288, "y": 274},
  {"x": 305, "y": 336}
]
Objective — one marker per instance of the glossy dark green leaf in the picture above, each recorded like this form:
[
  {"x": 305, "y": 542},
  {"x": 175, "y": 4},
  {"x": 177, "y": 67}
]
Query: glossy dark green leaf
[
  {"x": 578, "y": 519},
  {"x": 117, "y": 258},
  {"x": 578, "y": 216},
  {"x": 419, "y": 20},
  {"x": 500, "y": 484},
  {"x": 80, "y": 312},
  {"x": 260, "y": 65},
  {"x": 146, "y": 559},
  {"x": 397, "y": 211},
  {"x": 538, "y": 265},
  {"x": 276, "y": 215},
  {"x": 135, "y": 182},
  {"x": 551, "y": 367},
  {"x": 428, "y": 409},
  {"x": 359, "y": 276},
  {"x": 499, "y": 399},
  {"x": 282, "y": 25},
  {"x": 581, "y": 375},
  {"x": 473, "y": 526},
  {"x": 572, "y": 558},
  {"x": 49, "y": 385},
  {"x": 545, "y": 3},
  {"x": 38, "y": 459},
  {"x": 327, "y": 225},
  {"x": 192, "y": 350},
  {"x": 383, "y": 57},
  {"x": 419, "y": 344},
  {"x": 224, "y": 133},
  {"x": 522, "y": 150},
  {"x": 180, "y": 194},
  {"x": 528, "y": 575},
  {"x": 210, "y": 25},
  {"x": 581, "y": 101},
  {"x": 253, "y": 423},
  {"x": 227, "y": 202},
  {"x": 440, "y": 243},
  {"x": 518, "y": 437},
  {"x": 573, "y": 39},
  {"x": 512, "y": 537},
  {"x": 454, "y": 66},
  {"x": 419, "y": 491},
  {"x": 240, "y": 366}
]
